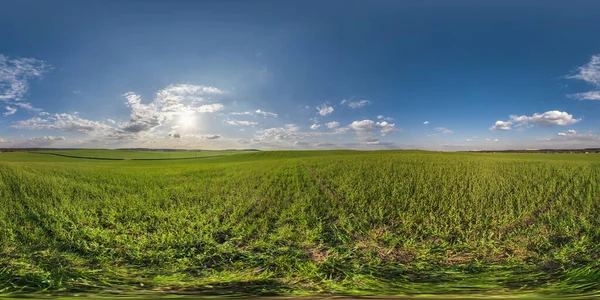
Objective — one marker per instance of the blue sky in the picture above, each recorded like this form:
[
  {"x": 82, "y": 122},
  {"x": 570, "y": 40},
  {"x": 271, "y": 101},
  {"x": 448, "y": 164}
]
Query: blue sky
[{"x": 460, "y": 75}]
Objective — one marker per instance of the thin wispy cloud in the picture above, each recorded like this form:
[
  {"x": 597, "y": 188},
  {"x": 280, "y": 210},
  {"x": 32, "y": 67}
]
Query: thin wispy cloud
[
  {"x": 9, "y": 111},
  {"x": 324, "y": 109},
  {"x": 257, "y": 112},
  {"x": 444, "y": 130},
  {"x": 358, "y": 104},
  {"x": 589, "y": 73},
  {"x": 240, "y": 123},
  {"x": 15, "y": 74}
]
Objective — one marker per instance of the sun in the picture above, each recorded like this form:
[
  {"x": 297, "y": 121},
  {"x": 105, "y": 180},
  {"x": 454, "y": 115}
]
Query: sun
[{"x": 187, "y": 119}]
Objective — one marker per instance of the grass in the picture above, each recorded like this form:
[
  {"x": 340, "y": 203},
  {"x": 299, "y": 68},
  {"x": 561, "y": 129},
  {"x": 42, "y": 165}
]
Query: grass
[{"x": 302, "y": 222}]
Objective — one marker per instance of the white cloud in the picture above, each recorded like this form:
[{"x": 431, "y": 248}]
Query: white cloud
[
  {"x": 240, "y": 123},
  {"x": 143, "y": 117},
  {"x": 174, "y": 94},
  {"x": 359, "y": 104},
  {"x": 332, "y": 124},
  {"x": 257, "y": 112},
  {"x": 343, "y": 101},
  {"x": 381, "y": 117},
  {"x": 444, "y": 130},
  {"x": 572, "y": 139},
  {"x": 492, "y": 140},
  {"x": 315, "y": 126},
  {"x": 26, "y": 106},
  {"x": 210, "y": 136},
  {"x": 9, "y": 111},
  {"x": 370, "y": 125},
  {"x": 15, "y": 74},
  {"x": 426, "y": 122},
  {"x": 570, "y": 132},
  {"x": 208, "y": 108},
  {"x": 42, "y": 141},
  {"x": 549, "y": 118},
  {"x": 168, "y": 104},
  {"x": 593, "y": 95},
  {"x": 63, "y": 122},
  {"x": 324, "y": 109},
  {"x": 589, "y": 73},
  {"x": 342, "y": 130},
  {"x": 287, "y": 132},
  {"x": 469, "y": 140},
  {"x": 501, "y": 125},
  {"x": 111, "y": 121}
]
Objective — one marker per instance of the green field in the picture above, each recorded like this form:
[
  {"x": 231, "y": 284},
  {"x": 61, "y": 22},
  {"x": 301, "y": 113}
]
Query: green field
[{"x": 301, "y": 222}]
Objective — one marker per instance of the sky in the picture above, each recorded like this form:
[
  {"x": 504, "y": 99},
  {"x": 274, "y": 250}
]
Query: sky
[{"x": 437, "y": 75}]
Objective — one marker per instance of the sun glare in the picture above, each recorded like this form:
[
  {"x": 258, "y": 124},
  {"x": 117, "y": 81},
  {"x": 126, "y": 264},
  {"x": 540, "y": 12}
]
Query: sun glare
[{"x": 187, "y": 119}]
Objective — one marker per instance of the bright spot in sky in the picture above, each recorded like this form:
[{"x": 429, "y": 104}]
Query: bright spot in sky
[{"x": 187, "y": 119}]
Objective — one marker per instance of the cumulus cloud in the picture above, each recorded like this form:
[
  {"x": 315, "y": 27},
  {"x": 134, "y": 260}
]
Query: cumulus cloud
[
  {"x": 257, "y": 112},
  {"x": 370, "y": 125},
  {"x": 589, "y": 73},
  {"x": 501, "y": 125},
  {"x": 549, "y": 118},
  {"x": 315, "y": 126},
  {"x": 444, "y": 130},
  {"x": 324, "y": 109},
  {"x": 168, "y": 103},
  {"x": 572, "y": 139},
  {"x": 358, "y": 104},
  {"x": 142, "y": 117},
  {"x": 240, "y": 123},
  {"x": 42, "y": 141},
  {"x": 426, "y": 122},
  {"x": 63, "y": 122},
  {"x": 332, "y": 124},
  {"x": 10, "y": 111},
  {"x": 288, "y": 131},
  {"x": 570, "y": 132}
]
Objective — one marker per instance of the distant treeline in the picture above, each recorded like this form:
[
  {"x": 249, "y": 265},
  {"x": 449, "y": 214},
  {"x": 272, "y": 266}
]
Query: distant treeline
[
  {"x": 128, "y": 149},
  {"x": 586, "y": 150}
]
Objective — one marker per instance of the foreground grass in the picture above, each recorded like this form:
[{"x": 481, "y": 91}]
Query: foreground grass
[{"x": 346, "y": 222}]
